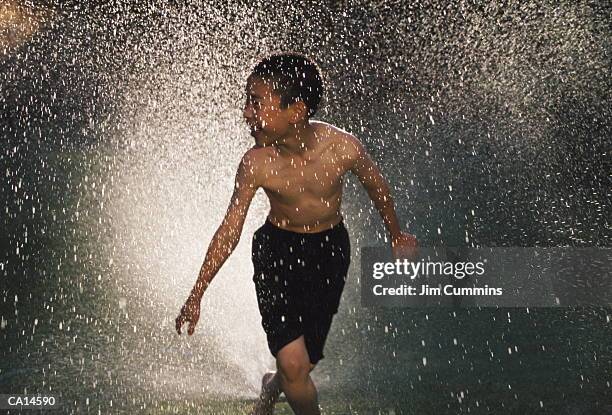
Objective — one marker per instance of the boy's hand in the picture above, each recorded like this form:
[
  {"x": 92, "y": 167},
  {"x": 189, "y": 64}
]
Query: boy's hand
[
  {"x": 405, "y": 245},
  {"x": 190, "y": 312}
]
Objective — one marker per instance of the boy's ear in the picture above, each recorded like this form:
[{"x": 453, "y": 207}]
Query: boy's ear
[{"x": 299, "y": 111}]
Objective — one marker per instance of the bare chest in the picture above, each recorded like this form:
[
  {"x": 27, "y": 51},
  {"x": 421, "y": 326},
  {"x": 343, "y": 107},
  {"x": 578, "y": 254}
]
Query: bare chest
[{"x": 291, "y": 181}]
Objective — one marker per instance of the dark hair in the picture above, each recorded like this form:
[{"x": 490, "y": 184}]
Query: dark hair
[{"x": 295, "y": 78}]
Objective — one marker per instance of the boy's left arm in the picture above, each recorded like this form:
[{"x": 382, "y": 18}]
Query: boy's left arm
[{"x": 369, "y": 175}]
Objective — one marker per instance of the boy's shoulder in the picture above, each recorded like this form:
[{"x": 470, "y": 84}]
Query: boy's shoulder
[
  {"x": 345, "y": 147},
  {"x": 335, "y": 134},
  {"x": 257, "y": 156},
  {"x": 345, "y": 144}
]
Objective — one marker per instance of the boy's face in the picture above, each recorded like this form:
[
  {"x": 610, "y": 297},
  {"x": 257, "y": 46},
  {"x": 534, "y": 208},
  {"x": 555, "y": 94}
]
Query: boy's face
[{"x": 263, "y": 113}]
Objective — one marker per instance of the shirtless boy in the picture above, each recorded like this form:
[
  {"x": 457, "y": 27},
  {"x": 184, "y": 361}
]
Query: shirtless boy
[{"x": 301, "y": 254}]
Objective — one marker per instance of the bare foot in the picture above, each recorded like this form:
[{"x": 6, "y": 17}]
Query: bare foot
[{"x": 268, "y": 396}]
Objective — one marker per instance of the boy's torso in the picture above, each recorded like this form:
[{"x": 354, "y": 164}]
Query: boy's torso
[{"x": 305, "y": 191}]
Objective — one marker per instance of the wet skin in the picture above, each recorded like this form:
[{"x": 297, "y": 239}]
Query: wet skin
[{"x": 299, "y": 164}]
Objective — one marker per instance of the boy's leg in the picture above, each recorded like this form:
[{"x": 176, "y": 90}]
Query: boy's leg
[
  {"x": 293, "y": 364},
  {"x": 270, "y": 392}
]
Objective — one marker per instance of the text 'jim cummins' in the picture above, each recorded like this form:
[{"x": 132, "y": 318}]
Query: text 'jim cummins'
[{"x": 413, "y": 269}]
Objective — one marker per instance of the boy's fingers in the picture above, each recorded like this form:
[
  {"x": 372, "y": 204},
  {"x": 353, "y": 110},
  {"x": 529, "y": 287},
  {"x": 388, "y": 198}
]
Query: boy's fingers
[
  {"x": 179, "y": 324},
  {"x": 407, "y": 252}
]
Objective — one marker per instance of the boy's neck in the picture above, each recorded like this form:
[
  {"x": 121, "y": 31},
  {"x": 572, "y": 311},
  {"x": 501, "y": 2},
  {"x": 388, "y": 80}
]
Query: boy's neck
[{"x": 299, "y": 140}]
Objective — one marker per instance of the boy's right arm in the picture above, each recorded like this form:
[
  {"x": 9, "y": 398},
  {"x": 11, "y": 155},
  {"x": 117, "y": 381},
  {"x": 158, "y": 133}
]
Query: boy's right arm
[{"x": 225, "y": 239}]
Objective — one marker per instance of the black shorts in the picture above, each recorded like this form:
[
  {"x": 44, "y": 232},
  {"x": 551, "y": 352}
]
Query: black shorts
[{"x": 299, "y": 278}]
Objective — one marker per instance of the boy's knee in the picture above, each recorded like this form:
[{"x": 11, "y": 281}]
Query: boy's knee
[{"x": 293, "y": 369}]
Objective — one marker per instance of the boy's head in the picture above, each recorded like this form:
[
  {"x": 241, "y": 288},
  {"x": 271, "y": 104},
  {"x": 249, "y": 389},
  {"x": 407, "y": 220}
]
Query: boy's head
[
  {"x": 293, "y": 77},
  {"x": 283, "y": 91}
]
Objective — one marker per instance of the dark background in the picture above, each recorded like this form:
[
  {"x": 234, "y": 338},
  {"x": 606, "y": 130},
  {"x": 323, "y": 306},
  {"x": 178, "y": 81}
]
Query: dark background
[{"x": 491, "y": 121}]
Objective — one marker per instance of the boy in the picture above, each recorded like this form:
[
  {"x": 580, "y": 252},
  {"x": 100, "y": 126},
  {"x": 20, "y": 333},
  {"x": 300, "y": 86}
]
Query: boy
[{"x": 301, "y": 254}]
